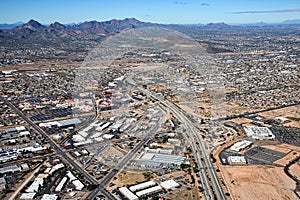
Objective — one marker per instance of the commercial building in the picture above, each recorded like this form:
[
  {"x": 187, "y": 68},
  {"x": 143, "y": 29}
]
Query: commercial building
[
  {"x": 237, "y": 160},
  {"x": 259, "y": 133},
  {"x": 241, "y": 145},
  {"x": 149, "y": 191},
  {"x": 128, "y": 194},
  {"x": 28, "y": 196},
  {"x": 162, "y": 158},
  {"x": 35, "y": 186},
  {"x": 61, "y": 184},
  {"x": 49, "y": 197},
  {"x": 142, "y": 186},
  {"x": 169, "y": 184}
]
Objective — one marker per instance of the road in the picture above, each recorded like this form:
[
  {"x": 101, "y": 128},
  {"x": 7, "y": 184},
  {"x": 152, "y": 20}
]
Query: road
[
  {"x": 120, "y": 166},
  {"x": 55, "y": 147},
  {"x": 197, "y": 144}
]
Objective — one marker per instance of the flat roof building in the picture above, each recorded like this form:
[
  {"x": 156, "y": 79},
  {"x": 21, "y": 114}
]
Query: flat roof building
[
  {"x": 241, "y": 145},
  {"x": 149, "y": 191},
  {"x": 128, "y": 194},
  {"x": 169, "y": 184},
  {"x": 237, "y": 160},
  {"x": 142, "y": 186}
]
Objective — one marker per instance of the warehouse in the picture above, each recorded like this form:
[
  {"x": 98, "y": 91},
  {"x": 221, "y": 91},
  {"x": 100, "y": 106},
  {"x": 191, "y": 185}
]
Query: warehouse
[
  {"x": 149, "y": 191},
  {"x": 162, "y": 158},
  {"x": 237, "y": 160},
  {"x": 128, "y": 194},
  {"x": 61, "y": 184},
  {"x": 241, "y": 145},
  {"x": 259, "y": 133},
  {"x": 142, "y": 186},
  {"x": 169, "y": 184}
]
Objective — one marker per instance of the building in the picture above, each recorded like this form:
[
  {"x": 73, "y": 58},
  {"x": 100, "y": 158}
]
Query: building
[
  {"x": 61, "y": 184},
  {"x": 259, "y": 133},
  {"x": 236, "y": 160},
  {"x": 128, "y": 194},
  {"x": 28, "y": 196},
  {"x": 49, "y": 197},
  {"x": 169, "y": 184},
  {"x": 35, "y": 186},
  {"x": 149, "y": 191},
  {"x": 2, "y": 183},
  {"x": 142, "y": 186},
  {"x": 78, "y": 185},
  {"x": 241, "y": 145},
  {"x": 162, "y": 158}
]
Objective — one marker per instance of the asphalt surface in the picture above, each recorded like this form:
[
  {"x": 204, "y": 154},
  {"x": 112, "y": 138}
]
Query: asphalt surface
[{"x": 55, "y": 147}]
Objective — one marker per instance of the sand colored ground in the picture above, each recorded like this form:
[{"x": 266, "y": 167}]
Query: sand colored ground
[
  {"x": 129, "y": 178},
  {"x": 286, "y": 159},
  {"x": 185, "y": 194},
  {"x": 295, "y": 170},
  {"x": 278, "y": 148},
  {"x": 258, "y": 182}
]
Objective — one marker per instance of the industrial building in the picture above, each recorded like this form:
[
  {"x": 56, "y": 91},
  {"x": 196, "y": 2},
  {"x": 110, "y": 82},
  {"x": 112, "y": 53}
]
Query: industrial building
[
  {"x": 28, "y": 196},
  {"x": 61, "y": 184},
  {"x": 142, "y": 186},
  {"x": 149, "y": 191},
  {"x": 162, "y": 158},
  {"x": 237, "y": 160},
  {"x": 241, "y": 145},
  {"x": 169, "y": 184},
  {"x": 128, "y": 194},
  {"x": 49, "y": 197},
  {"x": 259, "y": 133}
]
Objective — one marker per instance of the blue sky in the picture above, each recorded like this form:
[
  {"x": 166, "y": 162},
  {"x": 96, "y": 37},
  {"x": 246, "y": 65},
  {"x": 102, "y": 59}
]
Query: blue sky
[{"x": 158, "y": 11}]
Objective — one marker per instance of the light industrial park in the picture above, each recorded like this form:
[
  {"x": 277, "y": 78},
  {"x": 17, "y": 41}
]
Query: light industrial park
[{"x": 149, "y": 111}]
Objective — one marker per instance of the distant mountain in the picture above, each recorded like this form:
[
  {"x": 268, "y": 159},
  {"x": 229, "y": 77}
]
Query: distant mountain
[
  {"x": 88, "y": 27},
  {"x": 292, "y": 21},
  {"x": 29, "y": 27},
  {"x": 10, "y": 26},
  {"x": 217, "y": 25}
]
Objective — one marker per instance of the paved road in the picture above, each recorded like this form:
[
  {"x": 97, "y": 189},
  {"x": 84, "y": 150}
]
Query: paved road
[
  {"x": 56, "y": 148},
  {"x": 194, "y": 138},
  {"x": 120, "y": 166}
]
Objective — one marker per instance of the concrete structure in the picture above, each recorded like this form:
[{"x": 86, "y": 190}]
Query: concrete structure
[
  {"x": 259, "y": 133},
  {"x": 61, "y": 184},
  {"x": 35, "y": 186},
  {"x": 28, "y": 196},
  {"x": 149, "y": 191},
  {"x": 241, "y": 145},
  {"x": 78, "y": 185},
  {"x": 169, "y": 184},
  {"x": 236, "y": 160},
  {"x": 162, "y": 158},
  {"x": 49, "y": 197},
  {"x": 11, "y": 168},
  {"x": 128, "y": 194},
  {"x": 142, "y": 186}
]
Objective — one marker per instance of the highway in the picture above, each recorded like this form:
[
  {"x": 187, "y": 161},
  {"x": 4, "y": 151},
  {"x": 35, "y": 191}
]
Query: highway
[
  {"x": 55, "y": 147},
  {"x": 197, "y": 144}
]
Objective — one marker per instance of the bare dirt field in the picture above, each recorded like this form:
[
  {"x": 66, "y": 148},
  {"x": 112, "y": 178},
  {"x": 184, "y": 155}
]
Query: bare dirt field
[
  {"x": 184, "y": 194},
  {"x": 258, "y": 182},
  {"x": 129, "y": 178},
  {"x": 295, "y": 170}
]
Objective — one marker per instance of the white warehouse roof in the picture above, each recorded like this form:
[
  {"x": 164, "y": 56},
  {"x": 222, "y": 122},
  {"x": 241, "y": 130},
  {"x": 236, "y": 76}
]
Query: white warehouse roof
[
  {"x": 142, "y": 186},
  {"x": 149, "y": 191},
  {"x": 169, "y": 184},
  {"x": 128, "y": 194}
]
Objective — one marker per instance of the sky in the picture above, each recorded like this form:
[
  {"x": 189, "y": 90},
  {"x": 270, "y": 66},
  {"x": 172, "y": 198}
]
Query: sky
[{"x": 157, "y": 11}]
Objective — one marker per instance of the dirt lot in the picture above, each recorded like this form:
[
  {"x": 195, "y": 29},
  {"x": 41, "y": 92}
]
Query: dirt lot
[
  {"x": 129, "y": 178},
  {"x": 295, "y": 170},
  {"x": 258, "y": 182},
  {"x": 184, "y": 194}
]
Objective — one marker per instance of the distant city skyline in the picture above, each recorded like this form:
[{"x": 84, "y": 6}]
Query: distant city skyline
[{"x": 164, "y": 11}]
